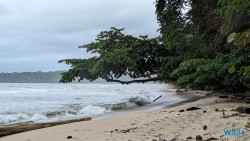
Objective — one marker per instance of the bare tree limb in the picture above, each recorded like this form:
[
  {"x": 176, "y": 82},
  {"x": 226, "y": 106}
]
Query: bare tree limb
[{"x": 135, "y": 81}]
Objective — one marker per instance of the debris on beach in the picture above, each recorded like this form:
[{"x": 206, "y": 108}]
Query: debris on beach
[
  {"x": 69, "y": 137},
  {"x": 244, "y": 110},
  {"x": 192, "y": 108},
  {"x": 198, "y": 138}
]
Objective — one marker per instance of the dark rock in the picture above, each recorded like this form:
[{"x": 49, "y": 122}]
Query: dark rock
[
  {"x": 204, "y": 111},
  {"x": 69, "y": 137},
  {"x": 54, "y": 114},
  {"x": 204, "y": 127},
  {"x": 247, "y": 99},
  {"x": 243, "y": 110},
  {"x": 198, "y": 138},
  {"x": 233, "y": 97},
  {"x": 189, "y": 138},
  {"x": 223, "y": 96},
  {"x": 139, "y": 101},
  {"x": 216, "y": 110},
  {"x": 240, "y": 97},
  {"x": 182, "y": 110},
  {"x": 192, "y": 108},
  {"x": 119, "y": 106},
  {"x": 179, "y": 91},
  {"x": 125, "y": 131}
]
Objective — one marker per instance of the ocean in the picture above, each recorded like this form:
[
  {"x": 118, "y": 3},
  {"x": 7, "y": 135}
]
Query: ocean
[{"x": 45, "y": 102}]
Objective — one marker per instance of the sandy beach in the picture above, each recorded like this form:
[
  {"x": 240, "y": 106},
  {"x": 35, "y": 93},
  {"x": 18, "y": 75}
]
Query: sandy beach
[{"x": 170, "y": 124}]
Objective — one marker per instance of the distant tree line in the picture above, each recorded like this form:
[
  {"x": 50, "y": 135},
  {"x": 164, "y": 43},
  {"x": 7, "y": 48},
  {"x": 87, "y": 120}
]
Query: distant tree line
[
  {"x": 31, "y": 77},
  {"x": 39, "y": 77}
]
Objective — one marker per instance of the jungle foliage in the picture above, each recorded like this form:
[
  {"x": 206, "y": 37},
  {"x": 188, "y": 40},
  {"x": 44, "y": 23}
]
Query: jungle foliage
[{"x": 207, "y": 47}]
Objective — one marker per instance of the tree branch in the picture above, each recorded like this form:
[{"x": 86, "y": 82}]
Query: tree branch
[{"x": 135, "y": 81}]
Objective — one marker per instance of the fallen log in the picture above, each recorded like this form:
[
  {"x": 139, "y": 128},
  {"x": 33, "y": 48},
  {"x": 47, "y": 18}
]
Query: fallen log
[{"x": 22, "y": 127}]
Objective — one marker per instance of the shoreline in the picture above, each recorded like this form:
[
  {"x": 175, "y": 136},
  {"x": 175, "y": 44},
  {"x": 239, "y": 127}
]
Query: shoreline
[
  {"x": 164, "y": 124},
  {"x": 11, "y": 129},
  {"x": 189, "y": 96}
]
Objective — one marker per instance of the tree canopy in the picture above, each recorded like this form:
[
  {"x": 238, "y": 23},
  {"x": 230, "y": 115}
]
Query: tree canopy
[
  {"x": 118, "y": 55},
  {"x": 206, "y": 47}
]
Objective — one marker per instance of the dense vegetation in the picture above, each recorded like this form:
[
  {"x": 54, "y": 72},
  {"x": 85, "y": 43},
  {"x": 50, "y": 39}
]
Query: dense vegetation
[{"x": 208, "y": 47}]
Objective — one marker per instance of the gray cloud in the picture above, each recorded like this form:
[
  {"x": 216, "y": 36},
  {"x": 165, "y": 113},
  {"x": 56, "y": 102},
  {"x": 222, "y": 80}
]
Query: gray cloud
[{"x": 35, "y": 34}]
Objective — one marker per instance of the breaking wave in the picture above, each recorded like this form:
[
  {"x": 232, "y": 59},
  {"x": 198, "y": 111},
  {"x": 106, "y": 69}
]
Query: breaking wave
[{"x": 36, "y": 103}]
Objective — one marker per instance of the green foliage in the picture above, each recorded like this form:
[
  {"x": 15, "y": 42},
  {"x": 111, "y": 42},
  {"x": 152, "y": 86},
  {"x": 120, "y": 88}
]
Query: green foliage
[
  {"x": 240, "y": 38},
  {"x": 203, "y": 18},
  {"x": 231, "y": 37},
  {"x": 118, "y": 55},
  {"x": 232, "y": 69},
  {"x": 235, "y": 15},
  {"x": 169, "y": 12},
  {"x": 198, "y": 72},
  {"x": 80, "y": 69},
  {"x": 247, "y": 125}
]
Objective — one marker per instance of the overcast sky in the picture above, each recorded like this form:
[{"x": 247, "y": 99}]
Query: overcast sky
[{"x": 35, "y": 34}]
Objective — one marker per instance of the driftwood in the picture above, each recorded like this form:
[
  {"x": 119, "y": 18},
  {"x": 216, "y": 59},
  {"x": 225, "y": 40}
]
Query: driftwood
[
  {"x": 157, "y": 98},
  {"x": 243, "y": 110},
  {"x": 223, "y": 96},
  {"x": 223, "y": 112},
  {"x": 192, "y": 108},
  {"x": 22, "y": 127}
]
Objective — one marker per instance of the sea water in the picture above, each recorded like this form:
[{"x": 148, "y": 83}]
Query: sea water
[{"x": 36, "y": 102}]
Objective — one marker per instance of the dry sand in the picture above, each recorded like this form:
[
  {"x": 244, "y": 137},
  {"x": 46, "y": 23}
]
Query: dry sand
[{"x": 161, "y": 125}]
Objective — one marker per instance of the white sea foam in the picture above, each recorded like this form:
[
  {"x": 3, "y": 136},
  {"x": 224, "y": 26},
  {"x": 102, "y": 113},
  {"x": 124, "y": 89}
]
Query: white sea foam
[
  {"x": 38, "y": 117},
  {"x": 46, "y": 102},
  {"x": 13, "y": 118},
  {"x": 92, "y": 110}
]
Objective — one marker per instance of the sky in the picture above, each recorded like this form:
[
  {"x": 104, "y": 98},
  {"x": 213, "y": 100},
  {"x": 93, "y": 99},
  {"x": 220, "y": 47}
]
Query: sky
[{"x": 36, "y": 34}]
